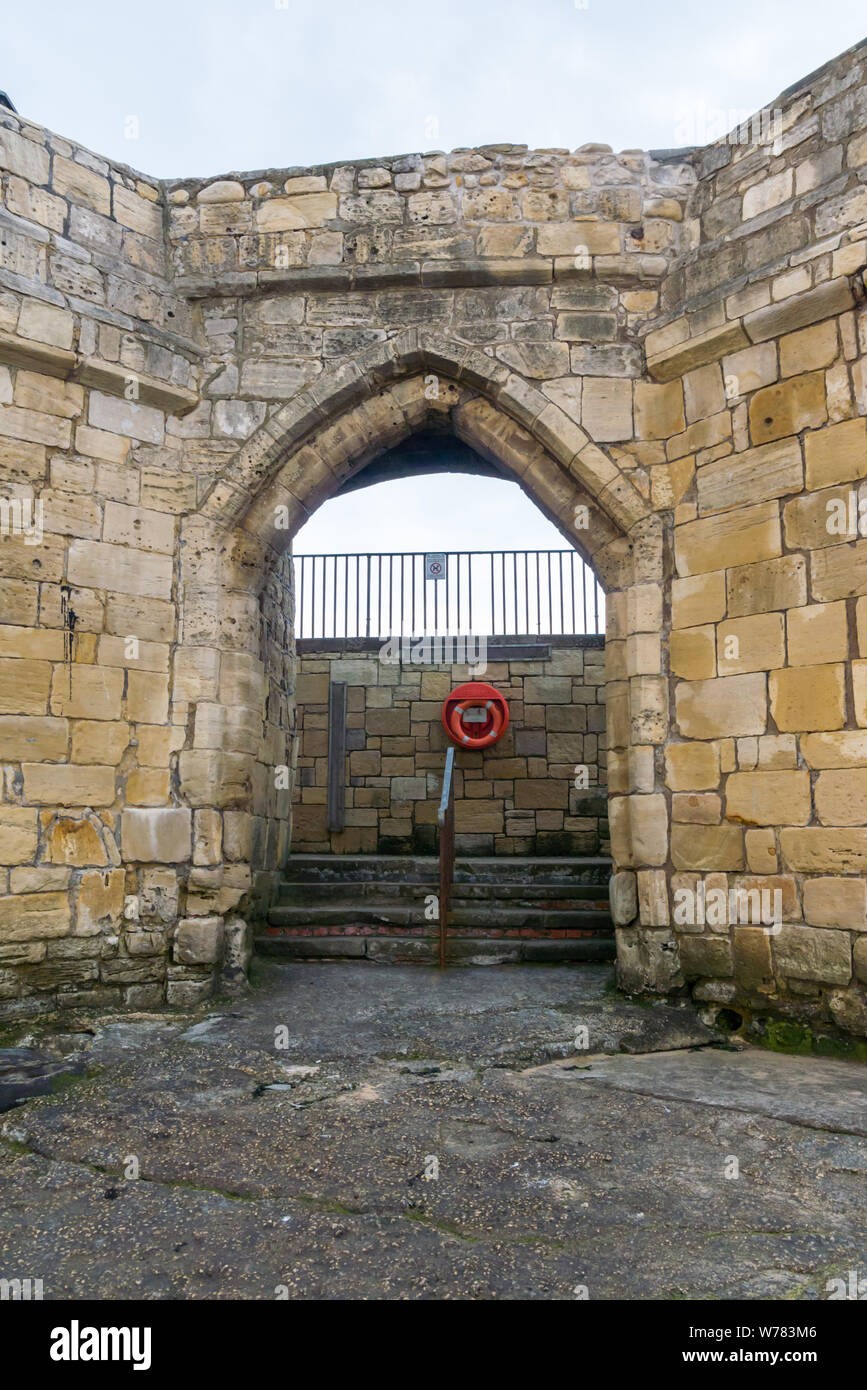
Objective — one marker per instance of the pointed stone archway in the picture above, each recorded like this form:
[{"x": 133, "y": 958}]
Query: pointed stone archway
[{"x": 236, "y": 602}]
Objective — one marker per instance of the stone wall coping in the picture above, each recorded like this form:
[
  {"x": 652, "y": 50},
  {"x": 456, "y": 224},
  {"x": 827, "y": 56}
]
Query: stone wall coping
[
  {"x": 824, "y": 301},
  {"x": 525, "y": 648},
  {"x": 431, "y": 274},
  {"x": 109, "y": 377}
]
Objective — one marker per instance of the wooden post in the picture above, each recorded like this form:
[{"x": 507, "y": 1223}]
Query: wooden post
[{"x": 336, "y": 806}]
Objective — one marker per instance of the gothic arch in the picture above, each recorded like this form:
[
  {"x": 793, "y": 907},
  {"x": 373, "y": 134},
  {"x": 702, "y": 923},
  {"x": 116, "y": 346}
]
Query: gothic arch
[{"x": 370, "y": 402}]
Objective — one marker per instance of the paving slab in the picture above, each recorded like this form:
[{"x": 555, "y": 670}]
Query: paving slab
[
  {"x": 356, "y": 1132},
  {"x": 814, "y": 1091}
]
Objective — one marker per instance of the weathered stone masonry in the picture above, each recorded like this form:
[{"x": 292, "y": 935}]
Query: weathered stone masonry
[
  {"x": 517, "y": 797},
  {"x": 674, "y": 341}
]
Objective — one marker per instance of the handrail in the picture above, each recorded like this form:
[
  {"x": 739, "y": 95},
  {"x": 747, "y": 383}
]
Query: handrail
[
  {"x": 446, "y": 824},
  {"x": 447, "y": 786}
]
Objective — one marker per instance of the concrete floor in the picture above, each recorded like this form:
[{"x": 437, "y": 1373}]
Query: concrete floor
[{"x": 353, "y": 1131}]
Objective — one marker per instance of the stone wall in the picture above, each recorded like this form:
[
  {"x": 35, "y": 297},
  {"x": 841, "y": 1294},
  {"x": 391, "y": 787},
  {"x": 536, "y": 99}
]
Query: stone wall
[
  {"x": 665, "y": 349},
  {"x": 517, "y": 797}
]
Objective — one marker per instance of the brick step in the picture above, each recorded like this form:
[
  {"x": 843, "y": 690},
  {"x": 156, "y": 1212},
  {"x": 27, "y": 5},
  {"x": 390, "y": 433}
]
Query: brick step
[
  {"x": 399, "y": 914},
  {"x": 390, "y": 893},
  {"x": 423, "y": 950},
  {"x": 408, "y": 868}
]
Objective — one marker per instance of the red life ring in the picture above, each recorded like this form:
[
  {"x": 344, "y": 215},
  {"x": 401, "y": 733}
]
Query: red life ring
[{"x": 475, "y": 695}]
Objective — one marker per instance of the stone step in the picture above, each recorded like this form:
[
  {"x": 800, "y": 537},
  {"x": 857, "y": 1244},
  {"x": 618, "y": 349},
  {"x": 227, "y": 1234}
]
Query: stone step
[
  {"x": 412, "y": 915},
  {"x": 417, "y": 950},
  {"x": 407, "y": 868},
  {"x": 533, "y": 894}
]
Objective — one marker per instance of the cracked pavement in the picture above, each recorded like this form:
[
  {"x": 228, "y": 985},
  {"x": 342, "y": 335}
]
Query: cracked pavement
[{"x": 352, "y": 1131}]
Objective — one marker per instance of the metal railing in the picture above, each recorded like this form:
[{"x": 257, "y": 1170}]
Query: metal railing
[
  {"x": 508, "y": 592},
  {"x": 446, "y": 823}
]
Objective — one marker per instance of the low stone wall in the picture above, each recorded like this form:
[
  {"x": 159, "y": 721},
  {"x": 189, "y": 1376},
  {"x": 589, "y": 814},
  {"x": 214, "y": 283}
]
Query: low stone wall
[{"x": 517, "y": 797}]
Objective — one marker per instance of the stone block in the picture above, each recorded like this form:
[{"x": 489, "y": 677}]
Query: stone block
[
  {"x": 207, "y": 837},
  {"x": 761, "y": 851},
  {"x": 622, "y": 898},
  {"x": 817, "y": 634},
  {"x": 118, "y": 568},
  {"x": 140, "y": 527},
  {"x": 705, "y": 956},
  {"x": 788, "y": 407},
  {"x": 692, "y": 653},
  {"x": 99, "y": 902},
  {"x": 808, "y": 698},
  {"x": 659, "y": 410},
  {"x": 841, "y": 796},
  {"x": 747, "y": 478},
  {"x": 653, "y": 909},
  {"x": 408, "y": 788},
  {"x": 18, "y": 834},
  {"x": 535, "y": 793},
  {"x": 76, "y": 842},
  {"x": 66, "y": 784},
  {"x": 648, "y": 960},
  {"x": 836, "y": 902},
  {"x": 768, "y": 798},
  {"x": 696, "y": 808},
  {"x": 186, "y": 994},
  {"x": 36, "y": 739},
  {"x": 87, "y": 692},
  {"x": 764, "y": 588},
  {"x": 692, "y": 766},
  {"x": 24, "y": 686},
  {"x": 199, "y": 940},
  {"x": 809, "y": 348},
  {"x": 839, "y": 571},
  {"x": 729, "y": 539},
  {"x": 755, "y": 643},
  {"x": 365, "y": 763},
  {"x": 209, "y": 777},
  {"x": 478, "y": 816},
  {"x": 812, "y": 953},
  {"x": 99, "y": 741},
  {"x": 34, "y": 916},
  {"x": 845, "y": 748},
  {"x": 708, "y": 848},
  {"x": 726, "y": 706},
  {"x": 606, "y": 411},
  {"x": 157, "y": 836},
  {"x": 387, "y": 721},
  {"x": 815, "y": 850},
  {"x": 836, "y": 454},
  {"x": 545, "y": 690},
  {"x": 698, "y": 600}
]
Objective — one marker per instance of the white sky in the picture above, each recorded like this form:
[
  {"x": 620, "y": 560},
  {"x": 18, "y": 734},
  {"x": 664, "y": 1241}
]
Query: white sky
[
  {"x": 220, "y": 85},
  {"x": 225, "y": 85}
]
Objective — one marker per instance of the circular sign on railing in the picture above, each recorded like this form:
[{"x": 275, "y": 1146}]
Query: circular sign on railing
[{"x": 475, "y": 715}]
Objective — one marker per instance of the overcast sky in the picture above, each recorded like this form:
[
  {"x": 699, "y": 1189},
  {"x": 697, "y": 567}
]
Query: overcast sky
[
  {"x": 224, "y": 85},
  {"x": 220, "y": 85}
]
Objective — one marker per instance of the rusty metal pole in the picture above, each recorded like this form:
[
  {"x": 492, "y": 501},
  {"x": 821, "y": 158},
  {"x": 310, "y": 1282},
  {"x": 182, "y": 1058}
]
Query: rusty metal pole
[{"x": 446, "y": 823}]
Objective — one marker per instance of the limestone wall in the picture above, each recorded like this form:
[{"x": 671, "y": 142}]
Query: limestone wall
[
  {"x": 665, "y": 349},
  {"x": 517, "y": 797}
]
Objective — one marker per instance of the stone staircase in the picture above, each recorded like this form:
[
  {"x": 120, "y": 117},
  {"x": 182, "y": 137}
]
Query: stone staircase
[{"x": 503, "y": 910}]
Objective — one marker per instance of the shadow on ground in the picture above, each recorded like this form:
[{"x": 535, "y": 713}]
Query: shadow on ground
[{"x": 350, "y": 1131}]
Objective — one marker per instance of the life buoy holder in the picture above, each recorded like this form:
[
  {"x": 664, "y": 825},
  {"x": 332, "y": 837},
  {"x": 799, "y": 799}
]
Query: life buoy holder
[{"x": 476, "y": 731}]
